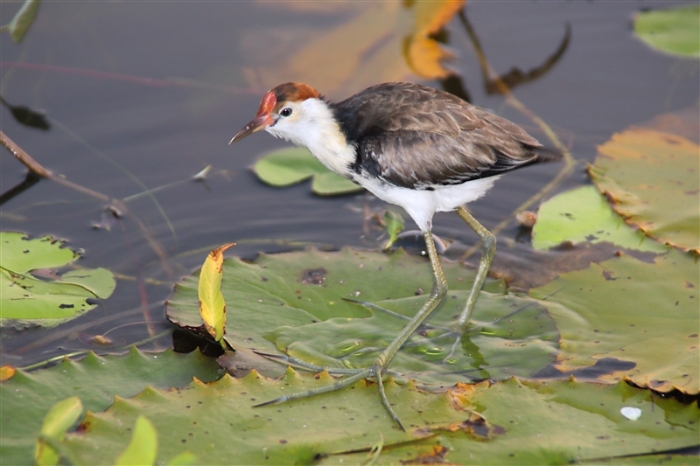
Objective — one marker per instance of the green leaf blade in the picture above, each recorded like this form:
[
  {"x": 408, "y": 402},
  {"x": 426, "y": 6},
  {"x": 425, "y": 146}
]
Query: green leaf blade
[
  {"x": 24, "y": 18},
  {"x": 143, "y": 447},
  {"x": 60, "y": 417}
]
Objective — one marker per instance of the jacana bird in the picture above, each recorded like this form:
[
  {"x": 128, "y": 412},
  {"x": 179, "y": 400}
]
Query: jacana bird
[{"x": 410, "y": 145}]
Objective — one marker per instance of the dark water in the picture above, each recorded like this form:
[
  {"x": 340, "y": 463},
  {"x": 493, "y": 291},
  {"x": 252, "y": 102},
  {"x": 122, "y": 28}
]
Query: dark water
[{"x": 148, "y": 94}]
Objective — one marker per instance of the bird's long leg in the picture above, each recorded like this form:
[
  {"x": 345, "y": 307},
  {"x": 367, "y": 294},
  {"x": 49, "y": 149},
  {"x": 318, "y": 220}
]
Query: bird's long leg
[
  {"x": 436, "y": 295},
  {"x": 379, "y": 365},
  {"x": 488, "y": 247}
]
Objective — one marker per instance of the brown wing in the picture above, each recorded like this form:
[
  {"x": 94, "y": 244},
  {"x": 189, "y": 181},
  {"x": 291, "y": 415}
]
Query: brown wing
[{"x": 415, "y": 136}]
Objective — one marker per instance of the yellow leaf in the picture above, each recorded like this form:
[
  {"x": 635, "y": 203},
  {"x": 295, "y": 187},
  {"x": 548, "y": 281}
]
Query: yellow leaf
[
  {"x": 423, "y": 53},
  {"x": 212, "y": 307},
  {"x": 6, "y": 372}
]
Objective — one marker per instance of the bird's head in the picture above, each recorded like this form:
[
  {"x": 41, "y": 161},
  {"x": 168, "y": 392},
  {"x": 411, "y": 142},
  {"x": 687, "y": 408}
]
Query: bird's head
[{"x": 284, "y": 112}]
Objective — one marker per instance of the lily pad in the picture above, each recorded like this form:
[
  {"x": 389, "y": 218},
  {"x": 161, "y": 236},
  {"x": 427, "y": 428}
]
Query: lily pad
[
  {"x": 582, "y": 215},
  {"x": 509, "y": 422},
  {"x": 28, "y": 396},
  {"x": 31, "y": 293},
  {"x": 286, "y": 167},
  {"x": 342, "y": 308},
  {"x": 626, "y": 310},
  {"x": 652, "y": 180},
  {"x": 675, "y": 31},
  {"x": 556, "y": 422}
]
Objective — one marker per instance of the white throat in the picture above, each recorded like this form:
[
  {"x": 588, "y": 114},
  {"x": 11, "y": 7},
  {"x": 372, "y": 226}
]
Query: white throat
[{"x": 314, "y": 126}]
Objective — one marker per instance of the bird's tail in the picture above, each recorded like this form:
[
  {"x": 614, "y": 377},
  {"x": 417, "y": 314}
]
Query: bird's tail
[{"x": 547, "y": 154}]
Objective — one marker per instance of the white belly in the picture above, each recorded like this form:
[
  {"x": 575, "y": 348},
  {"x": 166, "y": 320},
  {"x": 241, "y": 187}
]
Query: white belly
[{"x": 422, "y": 205}]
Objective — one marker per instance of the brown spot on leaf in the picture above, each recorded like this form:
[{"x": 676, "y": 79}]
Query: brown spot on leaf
[
  {"x": 83, "y": 427},
  {"x": 435, "y": 456},
  {"x": 314, "y": 276},
  {"x": 475, "y": 426}
]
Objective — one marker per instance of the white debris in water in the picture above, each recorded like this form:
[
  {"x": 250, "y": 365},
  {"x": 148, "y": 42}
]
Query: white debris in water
[{"x": 631, "y": 413}]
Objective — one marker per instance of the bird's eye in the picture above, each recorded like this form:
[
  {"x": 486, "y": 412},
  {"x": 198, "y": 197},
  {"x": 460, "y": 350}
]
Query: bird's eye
[{"x": 285, "y": 112}]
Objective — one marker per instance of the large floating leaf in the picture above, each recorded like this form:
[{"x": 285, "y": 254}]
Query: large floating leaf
[
  {"x": 675, "y": 31},
  {"x": 45, "y": 299},
  {"x": 639, "y": 313},
  {"x": 514, "y": 336},
  {"x": 27, "y": 397},
  {"x": 286, "y": 167},
  {"x": 560, "y": 422},
  {"x": 296, "y": 303},
  {"x": 582, "y": 215},
  {"x": 509, "y": 422},
  {"x": 652, "y": 180}
]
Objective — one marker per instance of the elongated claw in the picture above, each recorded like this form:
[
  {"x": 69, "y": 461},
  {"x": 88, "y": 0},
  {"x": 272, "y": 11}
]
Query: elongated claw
[
  {"x": 369, "y": 373},
  {"x": 301, "y": 364}
]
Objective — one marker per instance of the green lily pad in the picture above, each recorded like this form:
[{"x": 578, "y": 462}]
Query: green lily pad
[
  {"x": 512, "y": 336},
  {"x": 560, "y": 422},
  {"x": 508, "y": 422},
  {"x": 298, "y": 303},
  {"x": 27, "y": 397},
  {"x": 45, "y": 298},
  {"x": 651, "y": 179},
  {"x": 286, "y": 167},
  {"x": 637, "y": 312},
  {"x": 675, "y": 31},
  {"x": 582, "y": 215}
]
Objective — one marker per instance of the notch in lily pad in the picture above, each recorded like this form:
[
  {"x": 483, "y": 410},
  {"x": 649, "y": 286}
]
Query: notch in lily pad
[
  {"x": 287, "y": 167},
  {"x": 212, "y": 306},
  {"x": 32, "y": 291}
]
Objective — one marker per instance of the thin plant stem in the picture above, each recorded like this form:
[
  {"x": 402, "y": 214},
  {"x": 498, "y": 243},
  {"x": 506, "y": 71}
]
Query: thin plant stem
[{"x": 569, "y": 161}]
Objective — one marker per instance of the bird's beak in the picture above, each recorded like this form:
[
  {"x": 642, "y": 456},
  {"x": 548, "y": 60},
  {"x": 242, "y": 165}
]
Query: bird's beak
[{"x": 261, "y": 121}]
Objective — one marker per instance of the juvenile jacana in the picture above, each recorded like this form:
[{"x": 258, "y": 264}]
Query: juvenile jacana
[{"x": 417, "y": 147}]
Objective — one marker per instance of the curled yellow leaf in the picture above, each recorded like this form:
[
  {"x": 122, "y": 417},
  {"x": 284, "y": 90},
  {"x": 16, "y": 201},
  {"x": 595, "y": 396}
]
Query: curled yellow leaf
[{"x": 212, "y": 307}]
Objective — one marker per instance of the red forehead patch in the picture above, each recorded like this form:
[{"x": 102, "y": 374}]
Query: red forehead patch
[
  {"x": 294, "y": 92},
  {"x": 268, "y": 103}
]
